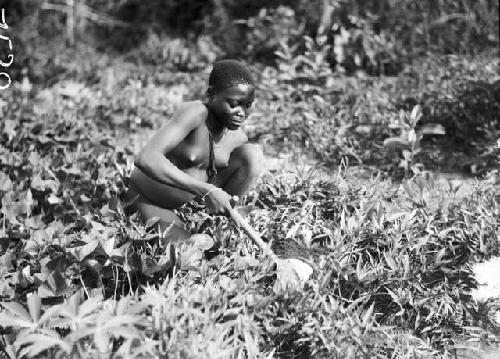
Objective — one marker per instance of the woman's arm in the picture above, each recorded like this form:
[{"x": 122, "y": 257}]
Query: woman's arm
[{"x": 152, "y": 161}]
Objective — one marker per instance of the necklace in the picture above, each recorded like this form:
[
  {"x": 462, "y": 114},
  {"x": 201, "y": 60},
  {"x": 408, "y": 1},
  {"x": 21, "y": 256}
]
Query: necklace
[{"x": 211, "y": 130}]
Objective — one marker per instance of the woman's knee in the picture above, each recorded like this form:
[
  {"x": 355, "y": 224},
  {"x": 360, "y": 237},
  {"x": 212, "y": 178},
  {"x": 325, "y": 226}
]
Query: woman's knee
[
  {"x": 251, "y": 157},
  {"x": 166, "y": 220}
]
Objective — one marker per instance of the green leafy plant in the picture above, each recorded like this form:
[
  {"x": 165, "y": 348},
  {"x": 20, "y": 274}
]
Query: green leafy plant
[
  {"x": 410, "y": 138},
  {"x": 80, "y": 277}
]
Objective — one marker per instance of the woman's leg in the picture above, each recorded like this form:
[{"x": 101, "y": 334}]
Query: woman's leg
[
  {"x": 155, "y": 199},
  {"x": 167, "y": 218},
  {"x": 246, "y": 163},
  {"x": 162, "y": 195}
]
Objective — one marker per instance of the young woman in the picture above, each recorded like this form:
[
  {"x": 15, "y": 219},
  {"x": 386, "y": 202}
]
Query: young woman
[{"x": 200, "y": 152}]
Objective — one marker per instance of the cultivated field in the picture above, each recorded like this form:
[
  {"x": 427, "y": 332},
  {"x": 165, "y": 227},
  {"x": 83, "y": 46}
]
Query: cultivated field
[{"x": 387, "y": 186}]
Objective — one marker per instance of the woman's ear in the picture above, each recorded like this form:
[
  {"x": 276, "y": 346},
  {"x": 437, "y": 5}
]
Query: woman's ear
[{"x": 210, "y": 93}]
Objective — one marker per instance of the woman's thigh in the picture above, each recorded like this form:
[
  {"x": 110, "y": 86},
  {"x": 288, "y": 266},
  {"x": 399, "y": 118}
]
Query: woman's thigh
[
  {"x": 166, "y": 217},
  {"x": 157, "y": 193},
  {"x": 245, "y": 165}
]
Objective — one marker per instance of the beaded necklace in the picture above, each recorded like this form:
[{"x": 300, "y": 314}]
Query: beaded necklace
[{"x": 211, "y": 169}]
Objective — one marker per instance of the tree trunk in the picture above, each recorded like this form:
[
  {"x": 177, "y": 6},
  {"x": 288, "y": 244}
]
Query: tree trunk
[{"x": 70, "y": 22}]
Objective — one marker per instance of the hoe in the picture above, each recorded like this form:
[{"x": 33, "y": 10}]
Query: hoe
[{"x": 291, "y": 273}]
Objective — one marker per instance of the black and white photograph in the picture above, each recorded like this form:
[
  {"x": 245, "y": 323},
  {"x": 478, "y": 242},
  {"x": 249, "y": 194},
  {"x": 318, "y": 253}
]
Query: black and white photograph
[{"x": 249, "y": 179}]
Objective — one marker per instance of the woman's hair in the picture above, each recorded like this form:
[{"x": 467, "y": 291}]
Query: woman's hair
[{"x": 227, "y": 73}]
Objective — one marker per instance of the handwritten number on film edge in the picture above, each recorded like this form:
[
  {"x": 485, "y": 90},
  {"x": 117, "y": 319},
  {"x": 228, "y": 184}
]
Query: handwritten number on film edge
[{"x": 10, "y": 57}]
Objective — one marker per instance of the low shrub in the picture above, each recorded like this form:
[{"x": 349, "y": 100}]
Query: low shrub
[{"x": 335, "y": 117}]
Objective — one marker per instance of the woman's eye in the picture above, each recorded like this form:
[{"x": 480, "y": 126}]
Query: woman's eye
[
  {"x": 249, "y": 104},
  {"x": 232, "y": 104}
]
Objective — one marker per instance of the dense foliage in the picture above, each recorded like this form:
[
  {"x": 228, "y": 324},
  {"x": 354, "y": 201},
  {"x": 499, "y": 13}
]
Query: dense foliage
[
  {"x": 374, "y": 36},
  {"x": 350, "y": 117},
  {"x": 354, "y": 185},
  {"x": 79, "y": 278}
]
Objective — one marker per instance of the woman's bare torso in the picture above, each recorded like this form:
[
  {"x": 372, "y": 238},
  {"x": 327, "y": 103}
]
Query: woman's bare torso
[{"x": 191, "y": 155}]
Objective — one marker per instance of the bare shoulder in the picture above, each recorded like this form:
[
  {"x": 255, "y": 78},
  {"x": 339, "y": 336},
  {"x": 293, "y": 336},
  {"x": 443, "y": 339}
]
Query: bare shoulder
[{"x": 194, "y": 112}]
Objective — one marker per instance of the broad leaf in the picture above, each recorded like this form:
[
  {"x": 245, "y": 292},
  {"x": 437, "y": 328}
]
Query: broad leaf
[
  {"x": 201, "y": 241},
  {"x": 34, "y": 306},
  {"x": 17, "y": 309},
  {"x": 5, "y": 183},
  {"x": 396, "y": 142},
  {"x": 433, "y": 129}
]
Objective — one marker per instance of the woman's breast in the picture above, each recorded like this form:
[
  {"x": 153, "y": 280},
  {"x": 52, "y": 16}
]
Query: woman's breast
[{"x": 188, "y": 155}]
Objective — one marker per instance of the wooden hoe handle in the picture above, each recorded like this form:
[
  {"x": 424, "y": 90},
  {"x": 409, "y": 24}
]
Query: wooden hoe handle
[{"x": 254, "y": 236}]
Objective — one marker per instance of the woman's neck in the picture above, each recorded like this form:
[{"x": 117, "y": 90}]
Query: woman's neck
[{"x": 214, "y": 126}]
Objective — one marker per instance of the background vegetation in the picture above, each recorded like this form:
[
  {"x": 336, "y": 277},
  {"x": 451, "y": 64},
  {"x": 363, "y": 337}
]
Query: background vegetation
[{"x": 377, "y": 102}]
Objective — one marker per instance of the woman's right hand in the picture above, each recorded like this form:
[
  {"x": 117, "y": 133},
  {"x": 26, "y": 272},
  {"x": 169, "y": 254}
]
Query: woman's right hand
[{"x": 218, "y": 201}]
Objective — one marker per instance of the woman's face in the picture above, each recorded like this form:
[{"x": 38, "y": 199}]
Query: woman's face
[{"x": 231, "y": 106}]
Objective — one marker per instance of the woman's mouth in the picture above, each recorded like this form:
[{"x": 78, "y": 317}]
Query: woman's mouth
[
  {"x": 236, "y": 121},
  {"x": 234, "y": 125}
]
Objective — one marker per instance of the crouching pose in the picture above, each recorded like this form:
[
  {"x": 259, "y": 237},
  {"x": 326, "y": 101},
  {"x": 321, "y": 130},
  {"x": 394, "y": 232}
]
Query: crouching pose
[{"x": 200, "y": 152}]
